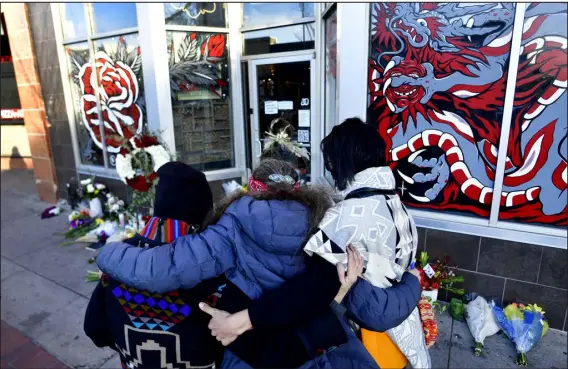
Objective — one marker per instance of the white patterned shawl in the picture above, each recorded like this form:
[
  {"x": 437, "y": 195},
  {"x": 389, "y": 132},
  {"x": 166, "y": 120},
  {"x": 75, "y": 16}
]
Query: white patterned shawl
[
  {"x": 382, "y": 230},
  {"x": 378, "y": 226}
]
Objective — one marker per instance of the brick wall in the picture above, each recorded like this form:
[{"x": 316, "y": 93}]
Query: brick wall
[
  {"x": 31, "y": 98},
  {"x": 41, "y": 24},
  {"x": 505, "y": 271}
]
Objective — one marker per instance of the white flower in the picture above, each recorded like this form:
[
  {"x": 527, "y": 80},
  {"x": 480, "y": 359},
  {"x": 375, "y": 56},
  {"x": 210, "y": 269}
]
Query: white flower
[
  {"x": 120, "y": 203},
  {"x": 109, "y": 195},
  {"x": 85, "y": 182},
  {"x": 100, "y": 186},
  {"x": 90, "y": 188},
  {"x": 55, "y": 211},
  {"x": 114, "y": 208},
  {"x": 124, "y": 166},
  {"x": 73, "y": 215},
  {"x": 159, "y": 155}
]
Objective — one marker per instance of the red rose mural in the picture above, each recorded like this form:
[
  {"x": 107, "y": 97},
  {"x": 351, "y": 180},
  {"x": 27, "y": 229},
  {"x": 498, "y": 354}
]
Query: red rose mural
[{"x": 118, "y": 93}]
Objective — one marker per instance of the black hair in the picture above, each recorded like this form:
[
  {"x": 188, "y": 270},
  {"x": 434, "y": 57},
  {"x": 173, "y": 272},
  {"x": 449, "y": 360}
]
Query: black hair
[{"x": 350, "y": 148}]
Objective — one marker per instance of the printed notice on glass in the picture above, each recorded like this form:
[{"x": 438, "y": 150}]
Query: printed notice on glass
[
  {"x": 304, "y": 118},
  {"x": 285, "y": 105},
  {"x": 270, "y": 107},
  {"x": 304, "y": 135}
]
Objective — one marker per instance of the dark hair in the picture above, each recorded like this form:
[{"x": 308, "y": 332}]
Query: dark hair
[
  {"x": 350, "y": 148},
  {"x": 317, "y": 199}
]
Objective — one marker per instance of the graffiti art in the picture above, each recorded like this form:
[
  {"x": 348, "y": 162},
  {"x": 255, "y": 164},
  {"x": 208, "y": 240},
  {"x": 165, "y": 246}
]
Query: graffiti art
[{"x": 437, "y": 83}]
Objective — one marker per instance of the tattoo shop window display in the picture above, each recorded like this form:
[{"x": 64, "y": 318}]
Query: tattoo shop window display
[
  {"x": 199, "y": 80},
  {"x": 118, "y": 72}
]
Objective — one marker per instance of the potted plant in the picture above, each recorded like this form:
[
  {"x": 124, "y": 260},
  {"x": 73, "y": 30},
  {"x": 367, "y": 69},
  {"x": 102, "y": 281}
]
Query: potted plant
[{"x": 437, "y": 276}]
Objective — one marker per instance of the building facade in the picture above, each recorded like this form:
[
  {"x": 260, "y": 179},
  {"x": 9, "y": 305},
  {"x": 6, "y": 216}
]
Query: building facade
[{"x": 470, "y": 98}]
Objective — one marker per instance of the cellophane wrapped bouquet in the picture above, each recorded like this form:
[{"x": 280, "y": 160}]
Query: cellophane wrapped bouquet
[
  {"x": 480, "y": 320},
  {"x": 525, "y": 325}
]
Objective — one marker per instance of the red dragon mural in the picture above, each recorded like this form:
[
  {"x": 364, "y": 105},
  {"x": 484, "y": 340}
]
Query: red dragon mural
[{"x": 437, "y": 80}]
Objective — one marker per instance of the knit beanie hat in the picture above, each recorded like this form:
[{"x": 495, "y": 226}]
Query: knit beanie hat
[{"x": 182, "y": 194}]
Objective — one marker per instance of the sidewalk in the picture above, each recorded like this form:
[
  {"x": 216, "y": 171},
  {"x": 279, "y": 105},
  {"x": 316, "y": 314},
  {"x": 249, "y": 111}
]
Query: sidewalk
[
  {"x": 18, "y": 352},
  {"x": 44, "y": 296}
]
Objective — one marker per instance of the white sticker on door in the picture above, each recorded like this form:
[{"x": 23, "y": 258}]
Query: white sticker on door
[
  {"x": 270, "y": 107},
  {"x": 285, "y": 105},
  {"x": 304, "y": 118},
  {"x": 304, "y": 135}
]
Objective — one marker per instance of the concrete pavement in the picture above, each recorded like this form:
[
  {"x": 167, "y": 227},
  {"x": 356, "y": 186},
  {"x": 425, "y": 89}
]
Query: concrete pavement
[{"x": 44, "y": 295}]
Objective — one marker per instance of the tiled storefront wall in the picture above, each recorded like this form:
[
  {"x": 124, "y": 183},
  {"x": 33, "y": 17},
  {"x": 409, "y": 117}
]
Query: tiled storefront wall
[
  {"x": 43, "y": 36},
  {"x": 31, "y": 97},
  {"x": 505, "y": 271}
]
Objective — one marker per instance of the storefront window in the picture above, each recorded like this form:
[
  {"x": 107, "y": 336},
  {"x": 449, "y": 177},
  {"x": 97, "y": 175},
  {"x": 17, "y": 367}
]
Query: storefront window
[
  {"x": 536, "y": 174},
  {"x": 113, "y": 87},
  {"x": 282, "y": 39},
  {"x": 199, "y": 79},
  {"x": 196, "y": 14},
  {"x": 73, "y": 18},
  {"x": 267, "y": 14},
  {"x": 441, "y": 111},
  {"x": 108, "y": 17}
]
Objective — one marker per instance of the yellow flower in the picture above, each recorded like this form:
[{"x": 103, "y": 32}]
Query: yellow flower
[{"x": 99, "y": 221}]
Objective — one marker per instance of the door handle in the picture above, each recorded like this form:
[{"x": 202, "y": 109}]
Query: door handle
[{"x": 259, "y": 148}]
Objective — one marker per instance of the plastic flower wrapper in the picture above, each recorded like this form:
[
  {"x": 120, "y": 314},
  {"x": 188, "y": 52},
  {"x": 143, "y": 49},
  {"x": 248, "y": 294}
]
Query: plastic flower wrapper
[
  {"x": 480, "y": 320},
  {"x": 524, "y": 325},
  {"x": 93, "y": 276},
  {"x": 232, "y": 187}
]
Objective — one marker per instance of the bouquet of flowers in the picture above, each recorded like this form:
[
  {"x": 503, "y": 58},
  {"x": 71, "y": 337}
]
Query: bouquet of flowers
[
  {"x": 429, "y": 322},
  {"x": 80, "y": 224},
  {"x": 93, "y": 276},
  {"x": 524, "y": 325},
  {"x": 91, "y": 191},
  {"x": 232, "y": 187},
  {"x": 114, "y": 206},
  {"x": 440, "y": 277},
  {"x": 480, "y": 320}
]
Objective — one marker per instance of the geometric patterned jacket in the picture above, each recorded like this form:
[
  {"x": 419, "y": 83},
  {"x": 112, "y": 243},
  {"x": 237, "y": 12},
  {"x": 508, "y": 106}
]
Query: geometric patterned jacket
[{"x": 151, "y": 330}]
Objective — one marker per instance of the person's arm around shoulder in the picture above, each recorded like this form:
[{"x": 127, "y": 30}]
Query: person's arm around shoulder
[
  {"x": 96, "y": 324},
  {"x": 379, "y": 309},
  {"x": 181, "y": 264}
]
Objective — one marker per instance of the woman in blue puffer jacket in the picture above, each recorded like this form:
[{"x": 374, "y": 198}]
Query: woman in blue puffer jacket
[
  {"x": 257, "y": 244},
  {"x": 372, "y": 219}
]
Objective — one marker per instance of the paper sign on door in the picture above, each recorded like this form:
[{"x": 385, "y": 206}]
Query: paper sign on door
[
  {"x": 304, "y": 118},
  {"x": 270, "y": 107},
  {"x": 285, "y": 105}
]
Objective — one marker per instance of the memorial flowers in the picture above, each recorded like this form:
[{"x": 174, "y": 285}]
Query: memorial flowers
[{"x": 525, "y": 325}]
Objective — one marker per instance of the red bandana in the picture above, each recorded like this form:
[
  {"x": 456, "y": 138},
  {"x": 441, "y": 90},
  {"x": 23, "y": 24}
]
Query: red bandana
[{"x": 258, "y": 186}]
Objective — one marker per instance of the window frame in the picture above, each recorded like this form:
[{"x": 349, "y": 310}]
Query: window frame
[
  {"x": 105, "y": 170},
  {"x": 327, "y": 12},
  {"x": 159, "y": 114}
]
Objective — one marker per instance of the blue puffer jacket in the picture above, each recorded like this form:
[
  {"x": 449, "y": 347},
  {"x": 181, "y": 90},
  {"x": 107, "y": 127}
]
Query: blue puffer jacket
[{"x": 256, "y": 244}]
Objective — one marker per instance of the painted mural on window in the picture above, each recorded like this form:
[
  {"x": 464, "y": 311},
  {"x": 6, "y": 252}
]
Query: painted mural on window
[
  {"x": 118, "y": 73},
  {"x": 437, "y": 79},
  {"x": 199, "y": 81}
]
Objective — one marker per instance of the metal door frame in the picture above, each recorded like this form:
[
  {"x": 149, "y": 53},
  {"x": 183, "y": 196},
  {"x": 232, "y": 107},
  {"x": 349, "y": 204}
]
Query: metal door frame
[{"x": 253, "y": 103}]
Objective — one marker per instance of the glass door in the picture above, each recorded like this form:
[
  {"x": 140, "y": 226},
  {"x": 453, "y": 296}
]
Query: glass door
[{"x": 281, "y": 98}]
